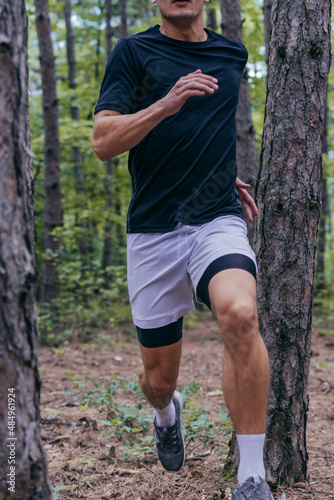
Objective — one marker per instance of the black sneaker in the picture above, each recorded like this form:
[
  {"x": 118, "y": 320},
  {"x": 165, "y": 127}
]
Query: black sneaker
[
  {"x": 255, "y": 488},
  {"x": 170, "y": 440}
]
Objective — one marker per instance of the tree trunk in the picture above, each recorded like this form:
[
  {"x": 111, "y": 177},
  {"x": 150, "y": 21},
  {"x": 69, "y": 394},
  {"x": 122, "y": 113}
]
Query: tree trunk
[
  {"x": 98, "y": 46},
  {"x": 267, "y": 25},
  {"x": 107, "y": 244},
  {"x": 78, "y": 172},
  {"x": 50, "y": 279},
  {"x": 324, "y": 216},
  {"x": 230, "y": 468},
  {"x": 211, "y": 19},
  {"x": 247, "y": 161},
  {"x": 23, "y": 469},
  {"x": 119, "y": 233},
  {"x": 289, "y": 199},
  {"x": 123, "y": 15},
  {"x": 112, "y": 195},
  {"x": 108, "y": 229},
  {"x": 109, "y": 29}
]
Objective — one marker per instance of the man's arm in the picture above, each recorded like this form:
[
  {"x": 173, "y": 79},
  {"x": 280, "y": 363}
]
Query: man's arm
[{"x": 115, "y": 133}]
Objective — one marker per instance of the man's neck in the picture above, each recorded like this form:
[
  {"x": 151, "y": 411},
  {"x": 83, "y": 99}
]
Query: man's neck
[{"x": 193, "y": 32}]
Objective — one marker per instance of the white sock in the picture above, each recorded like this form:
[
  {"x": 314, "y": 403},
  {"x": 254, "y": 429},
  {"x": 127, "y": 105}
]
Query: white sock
[
  {"x": 166, "y": 416},
  {"x": 251, "y": 456}
]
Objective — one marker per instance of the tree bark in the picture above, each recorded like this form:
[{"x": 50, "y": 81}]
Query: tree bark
[
  {"x": 247, "y": 161},
  {"x": 20, "y": 444},
  {"x": 267, "y": 4},
  {"x": 81, "y": 223},
  {"x": 289, "y": 199},
  {"x": 52, "y": 221}
]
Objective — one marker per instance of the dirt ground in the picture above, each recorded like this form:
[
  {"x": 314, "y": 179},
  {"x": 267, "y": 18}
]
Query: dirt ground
[{"x": 82, "y": 465}]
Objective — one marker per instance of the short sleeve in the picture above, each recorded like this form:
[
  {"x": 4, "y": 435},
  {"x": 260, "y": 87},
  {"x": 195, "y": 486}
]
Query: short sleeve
[
  {"x": 246, "y": 53},
  {"x": 120, "y": 80}
]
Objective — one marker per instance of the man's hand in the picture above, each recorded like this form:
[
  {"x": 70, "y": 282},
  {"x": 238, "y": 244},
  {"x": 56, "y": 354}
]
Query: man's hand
[
  {"x": 194, "y": 84},
  {"x": 248, "y": 204}
]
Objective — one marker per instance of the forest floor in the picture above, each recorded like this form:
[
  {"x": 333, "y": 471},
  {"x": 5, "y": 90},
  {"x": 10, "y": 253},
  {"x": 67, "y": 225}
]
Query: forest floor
[{"x": 82, "y": 463}]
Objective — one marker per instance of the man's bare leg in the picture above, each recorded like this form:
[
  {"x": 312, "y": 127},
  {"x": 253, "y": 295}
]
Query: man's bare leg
[
  {"x": 158, "y": 381},
  {"x": 159, "y": 375},
  {"x": 245, "y": 365}
]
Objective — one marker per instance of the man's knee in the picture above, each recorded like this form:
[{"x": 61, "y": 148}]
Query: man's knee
[
  {"x": 159, "y": 380},
  {"x": 238, "y": 320}
]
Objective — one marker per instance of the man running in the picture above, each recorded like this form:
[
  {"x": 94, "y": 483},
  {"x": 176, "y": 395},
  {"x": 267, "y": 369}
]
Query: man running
[{"x": 169, "y": 95}]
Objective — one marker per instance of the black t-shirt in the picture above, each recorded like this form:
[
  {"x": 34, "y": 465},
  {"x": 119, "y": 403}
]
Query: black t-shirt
[{"x": 184, "y": 170}]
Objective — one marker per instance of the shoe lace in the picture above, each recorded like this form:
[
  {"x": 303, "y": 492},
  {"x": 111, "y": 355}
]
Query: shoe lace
[{"x": 168, "y": 439}]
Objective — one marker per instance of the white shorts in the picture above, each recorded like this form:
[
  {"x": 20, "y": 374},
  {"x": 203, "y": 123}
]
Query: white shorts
[{"x": 162, "y": 266}]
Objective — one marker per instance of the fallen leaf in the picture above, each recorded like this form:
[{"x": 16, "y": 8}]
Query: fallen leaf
[{"x": 217, "y": 392}]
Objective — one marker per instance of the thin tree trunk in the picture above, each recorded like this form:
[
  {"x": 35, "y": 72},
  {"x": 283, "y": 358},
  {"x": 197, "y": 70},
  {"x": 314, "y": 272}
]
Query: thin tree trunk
[
  {"x": 324, "y": 216},
  {"x": 23, "y": 469},
  {"x": 112, "y": 164},
  {"x": 289, "y": 198},
  {"x": 50, "y": 279},
  {"x": 109, "y": 29},
  {"x": 119, "y": 259},
  {"x": 79, "y": 175},
  {"x": 98, "y": 47},
  {"x": 107, "y": 244},
  {"x": 267, "y": 4},
  {"x": 122, "y": 6},
  {"x": 211, "y": 18},
  {"x": 247, "y": 161},
  {"x": 124, "y": 20}
]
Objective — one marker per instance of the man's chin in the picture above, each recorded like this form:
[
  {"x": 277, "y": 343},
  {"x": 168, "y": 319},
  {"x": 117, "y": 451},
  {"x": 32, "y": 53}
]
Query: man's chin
[{"x": 180, "y": 16}]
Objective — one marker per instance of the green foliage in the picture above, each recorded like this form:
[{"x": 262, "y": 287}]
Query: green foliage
[
  {"x": 85, "y": 299},
  {"x": 132, "y": 423},
  {"x": 253, "y": 33},
  {"x": 84, "y": 303},
  {"x": 57, "y": 489}
]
